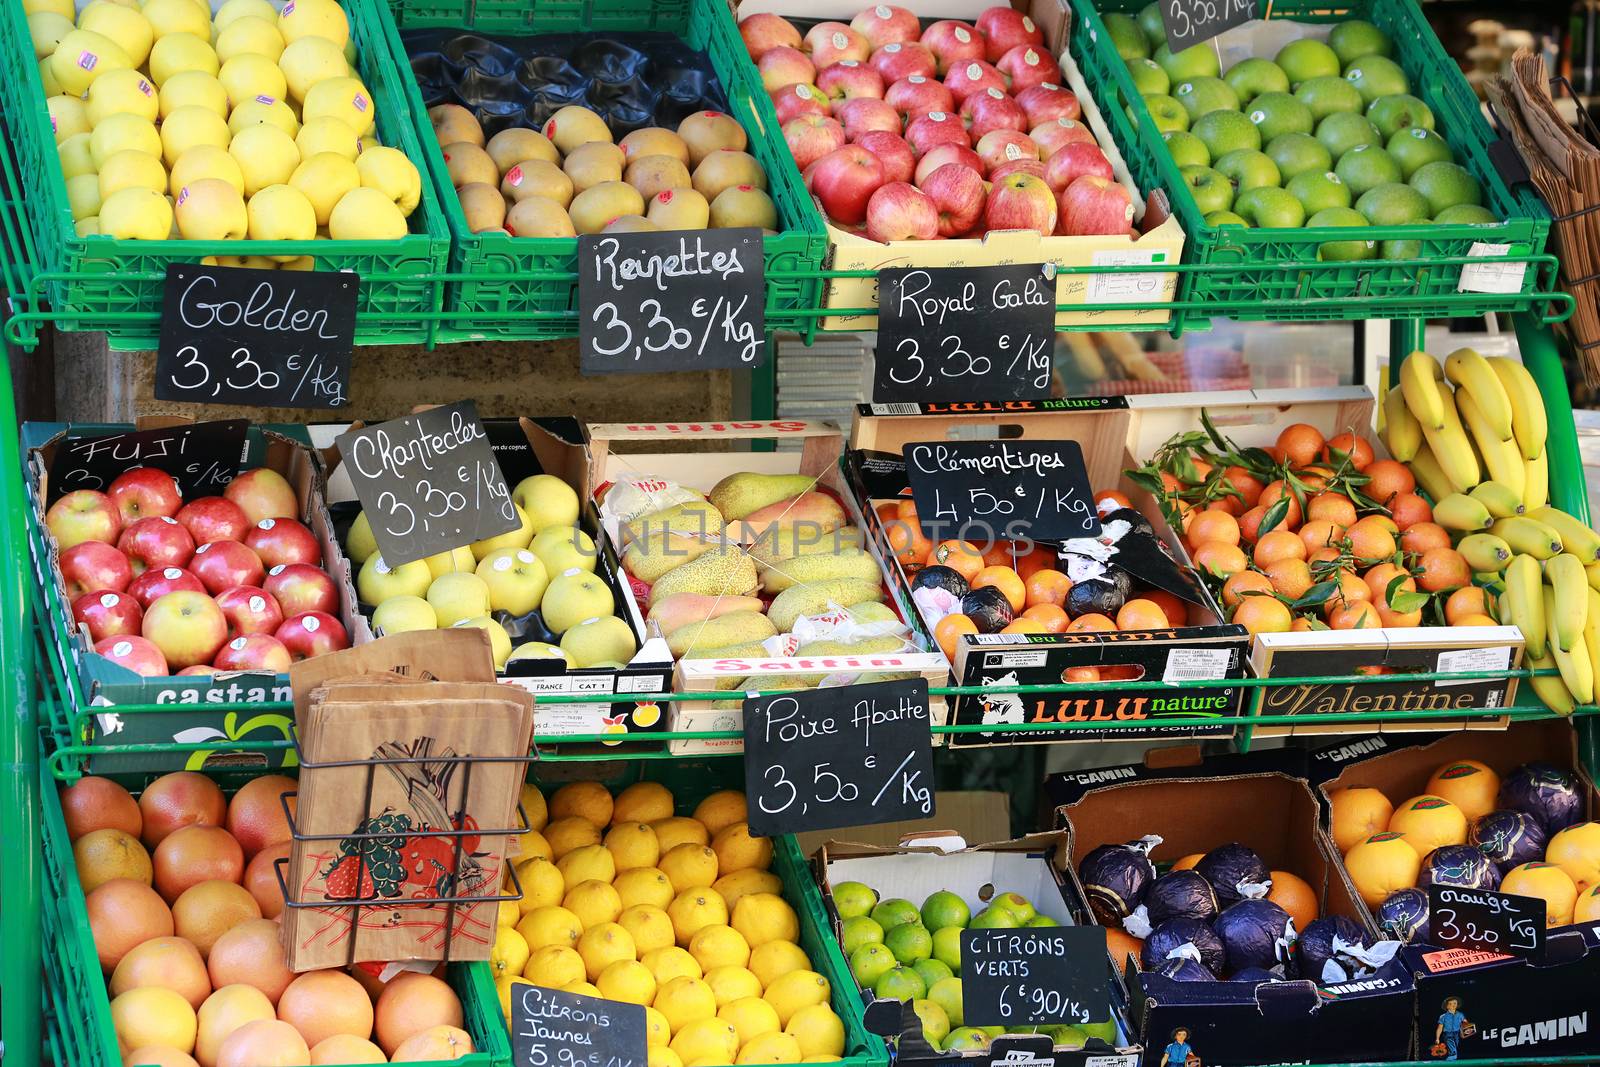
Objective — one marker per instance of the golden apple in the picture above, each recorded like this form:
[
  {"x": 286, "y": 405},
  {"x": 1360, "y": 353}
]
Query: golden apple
[
  {"x": 136, "y": 214},
  {"x": 310, "y": 60},
  {"x": 391, "y": 173},
  {"x": 132, "y": 169},
  {"x": 365, "y": 214},
  {"x": 249, "y": 35},
  {"x": 281, "y": 213},
  {"x": 266, "y": 156},
  {"x": 327, "y": 134},
  {"x": 121, "y": 91},
  {"x": 211, "y": 209},
  {"x": 124, "y": 25},
  {"x": 175, "y": 53},
  {"x": 314, "y": 18},
  {"x": 75, "y": 157},
  {"x": 68, "y": 117},
  {"x": 249, "y": 75},
  {"x": 345, "y": 99},
  {"x": 205, "y": 161},
  {"x": 263, "y": 111},
  {"x": 191, "y": 127},
  {"x": 194, "y": 87},
  {"x": 121, "y": 132},
  {"x": 84, "y": 55}
]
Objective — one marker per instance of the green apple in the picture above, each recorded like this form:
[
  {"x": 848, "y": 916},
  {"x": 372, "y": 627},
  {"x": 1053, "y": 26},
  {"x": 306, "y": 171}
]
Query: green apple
[
  {"x": 1226, "y": 131},
  {"x": 1155, "y": 30},
  {"x": 548, "y": 500},
  {"x": 1416, "y": 147},
  {"x": 561, "y": 548},
  {"x": 870, "y": 963},
  {"x": 1391, "y": 114},
  {"x": 499, "y": 640},
  {"x": 1355, "y": 39},
  {"x": 1186, "y": 149},
  {"x": 853, "y": 898},
  {"x": 605, "y": 639},
  {"x": 1248, "y": 168},
  {"x": 1276, "y": 114},
  {"x": 1296, "y": 153},
  {"x": 1305, "y": 59},
  {"x": 539, "y": 650},
  {"x": 1210, "y": 189},
  {"x": 947, "y": 994},
  {"x": 1393, "y": 204},
  {"x": 573, "y": 596},
  {"x": 1319, "y": 191},
  {"x": 1342, "y": 251},
  {"x": 1166, "y": 112},
  {"x": 1466, "y": 215},
  {"x": 1226, "y": 218},
  {"x": 1196, "y": 61},
  {"x": 1344, "y": 130},
  {"x": 1377, "y": 76},
  {"x": 935, "y": 1023},
  {"x": 1252, "y": 77},
  {"x": 1446, "y": 185},
  {"x": 1201, "y": 95},
  {"x": 1328, "y": 96},
  {"x": 1126, "y": 35},
  {"x": 1148, "y": 77},
  {"x": 401, "y": 614},
  {"x": 517, "y": 538},
  {"x": 377, "y": 581},
  {"x": 1366, "y": 167},
  {"x": 1270, "y": 208},
  {"x": 458, "y": 596},
  {"x": 516, "y": 579},
  {"x": 899, "y": 983}
]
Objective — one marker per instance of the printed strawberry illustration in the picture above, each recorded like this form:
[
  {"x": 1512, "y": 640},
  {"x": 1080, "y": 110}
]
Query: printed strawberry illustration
[{"x": 341, "y": 880}]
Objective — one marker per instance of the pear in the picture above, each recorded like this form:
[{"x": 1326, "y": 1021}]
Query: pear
[
  {"x": 452, "y": 123},
  {"x": 738, "y": 495},
  {"x": 814, "y": 598},
  {"x": 726, "y": 571},
  {"x": 736, "y": 628},
  {"x": 510, "y": 147}
]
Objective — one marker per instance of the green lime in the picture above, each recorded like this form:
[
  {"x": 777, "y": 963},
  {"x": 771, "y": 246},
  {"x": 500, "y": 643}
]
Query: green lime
[
  {"x": 947, "y": 947},
  {"x": 935, "y": 1023},
  {"x": 909, "y": 942},
  {"x": 1067, "y": 1036},
  {"x": 1016, "y": 904},
  {"x": 1041, "y": 920},
  {"x": 995, "y": 917},
  {"x": 947, "y": 994},
  {"x": 1106, "y": 1031},
  {"x": 899, "y": 983},
  {"x": 945, "y": 908},
  {"x": 859, "y": 930},
  {"x": 967, "y": 1039},
  {"x": 852, "y": 899},
  {"x": 895, "y": 911},
  {"x": 870, "y": 963},
  {"x": 932, "y": 971}
]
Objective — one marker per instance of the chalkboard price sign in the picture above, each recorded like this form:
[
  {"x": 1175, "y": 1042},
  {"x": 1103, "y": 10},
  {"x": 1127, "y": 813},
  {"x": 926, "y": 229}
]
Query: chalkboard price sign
[
  {"x": 1486, "y": 921},
  {"x": 1035, "y": 976},
  {"x": 1189, "y": 22},
  {"x": 850, "y": 755},
  {"x": 1009, "y": 489},
  {"x": 550, "y": 1028},
  {"x": 203, "y": 456},
  {"x": 679, "y": 301},
  {"x": 964, "y": 333},
  {"x": 428, "y": 482},
  {"x": 263, "y": 338}
]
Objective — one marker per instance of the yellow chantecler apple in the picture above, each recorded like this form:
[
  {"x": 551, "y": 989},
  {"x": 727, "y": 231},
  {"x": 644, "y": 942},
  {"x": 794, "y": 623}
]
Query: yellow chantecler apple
[
  {"x": 573, "y": 597},
  {"x": 596, "y": 641},
  {"x": 68, "y": 117},
  {"x": 75, "y": 157},
  {"x": 119, "y": 133},
  {"x": 45, "y": 30},
  {"x": 345, "y": 99},
  {"x": 132, "y": 170},
  {"x": 168, "y": 17},
  {"x": 360, "y": 545},
  {"x": 83, "y": 195},
  {"x": 457, "y": 559},
  {"x": 517, "y": 538},
  {"x": 365, "y": 214},
  {"x": 121, "y": 91},
  {"x": 314, "y": 18},
  {"x": 327, "y": 135},
  {"x": 193, "y": 87},
  {"x": 205, "y": 161},
  {"x": 266, "y": 156},
  {"x": 377, "y": 581},
  {"x": 310, "y": 60},
  {"x": 250, "y": 75},
  {"x": 264, "y": 111},
  {"x": 281, "y": 213},
  {"x": 516, "y": 579},
  {"x": 250, "y": 35},
  {"x": 325, "y": 179},
  {"x": 64, "y": 8},
  {"x": 191, "y": 127},
  {"x": 233, "y": 10},
  {"x": 175, "y": 53},
  {"x": 124, "y": 25},
  {"x": 548, "y": 500},
  {"x": 457, "y": 596},
  {"x": 211, "y": 209},
  {"x": 82, "y": 56},
  {"x": 136, "y": 214},
  {"x": 392, "y": 174},
  {"x": 401, "y": 614},
  {"x": 499, "y": 640}
]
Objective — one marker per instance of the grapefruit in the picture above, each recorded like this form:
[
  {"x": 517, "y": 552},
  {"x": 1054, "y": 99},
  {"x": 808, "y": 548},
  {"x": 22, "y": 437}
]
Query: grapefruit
[
  {"x": 1428, "y": 822},
  {"x": 250, "y": 954},
  {"x": 179, "y": 799},
  {"x": 321, "y": 1004},
  {"x": 203, "y": 913},
  {"x": 224, "y": 1011},
  {"x": 124, "y": 914},
  {"x": 1468, "y": 784},
  {"x": 95, "y": 803},
  {"x": 256, "y": 816},
  {"x": 264, "y": 1043},
  {"x": 169, "y": 962},
  {"x": 410, "y": 1004},
  {"x": 261, "y": 878},
  {"x": 434, "y": 1043},
  {"x": 151, "y": 1015},
  {"x": 1357, "y": 814},
  {"x": 158, "y": 1056},
  {"x": 104, "y": 855},
  {"x": 194, "y": 854},
  {"x": 344, "y": 1049}
]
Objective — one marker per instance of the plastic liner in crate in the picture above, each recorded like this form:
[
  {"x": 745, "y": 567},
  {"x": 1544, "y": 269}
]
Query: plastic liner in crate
[
  {"x": 527, "y": 287},
  {"x": 104, "y": 283},
  {"x": 1278, "y": 274}
]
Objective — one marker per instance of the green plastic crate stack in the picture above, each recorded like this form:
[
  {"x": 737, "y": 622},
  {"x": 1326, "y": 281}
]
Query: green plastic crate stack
[{"x": 519, "y": 288}]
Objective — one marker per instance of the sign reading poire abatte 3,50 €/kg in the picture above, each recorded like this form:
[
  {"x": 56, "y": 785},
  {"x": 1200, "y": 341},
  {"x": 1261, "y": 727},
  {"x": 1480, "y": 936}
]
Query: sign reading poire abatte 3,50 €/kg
[
  {"x": 428, "y": 482},
  {"x": 652, "y": 302}
]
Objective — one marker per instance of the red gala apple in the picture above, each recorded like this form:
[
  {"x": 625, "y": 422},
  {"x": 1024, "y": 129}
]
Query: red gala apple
[
  {"x": 1026, "y": 66},
  {"x": 829, "y": 42},
  {"x": 810, "y": 137},
  {"x": 1017, "y": 166},
  {"x": 93, "y": 565},
  {"x": 1092, "y": 205},
  {"x": 1005, "y": 28},
  {"x": 107, "y": 614},
  {"x": 782, "y": 66},
  {"x": 936, "y": 128},
  {"x": 83, "y": 515},
  {"x": 213, "y": 518},
  {"x": 993, "y": 110},
  {"x": 1004, "y": 146},
  {"x": 939, "y": 155},
  {"x": 899, "y": 164},
  {"x": 249, "y": 610},
  {"x": 1052, "y": 137},
  {"x": 896, "y": 61},
  {"x": 1046, "y": 103},
  {"x": 952, "y": 43},
  {"x": 899, "y": 211},
  {"x": 224, "y": 564},
  {"x": 850, "y": 80},
  {"x": 792, "y": 101},
  {"x": 973, "y": 76},
  {"x": 884, "y": 25},
  {"x": 864, "y": 114},
  {"x": 312, "y": 633},
  {"x": 145, "y": 492},
  {"x": 263, "y": 494},
  {"x": 159, "y": 541},
  {"x": 766, "y": 31},
  {"x": 957, "y": 194},
  {"x": 300, "y": 587},
  {"x": 1072, "y": 162},
  {"x": 135, "y": 653},
  {"x": 843, "y": 181},
  {"x": 282, "y": 541},
  {"x": 918, "y": 95},
  {"x": 254, "y": 652},
  {"x": 152, "y": 585},
  {"x": 186, "y": 626},
  {"x": 196, "y": 670},
  {"x": 1021, "y": 202}
]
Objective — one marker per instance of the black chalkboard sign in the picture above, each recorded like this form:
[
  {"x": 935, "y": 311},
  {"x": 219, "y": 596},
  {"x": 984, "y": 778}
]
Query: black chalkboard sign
[
  {"x": 203, "y": 456},
  {"x": 1189, "y": 22},
  {"x": 262, "y": 338},
  {"x": 428, "y": 482},
  {"x": 550, "y": 1028},
  {"x": 1035, "y": 976},
  {"x": 1486, "y": 921},
  {"x": 1003, "y": 489},
  {"x": 964, "y": 333},
  {"x": 684, "y": 300},
  {"x": 845, "y": 756}
]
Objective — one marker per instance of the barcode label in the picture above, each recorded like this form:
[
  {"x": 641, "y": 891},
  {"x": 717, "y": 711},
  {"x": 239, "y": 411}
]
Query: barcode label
[
  {"x": 1196, "y": 664},
  {"x": 1499, "y": 278},
  {"x": 896, "y": 409}
]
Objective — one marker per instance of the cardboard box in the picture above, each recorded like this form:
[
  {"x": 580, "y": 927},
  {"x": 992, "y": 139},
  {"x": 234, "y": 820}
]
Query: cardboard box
[
  {"x": 1254, "y": 419},
  {"x": 1521, "y": 1008},
  {"x": 1275, "y": 814},
  {"x": 1208, "y": 648},
  {"x": 972, "y": 815},
  {"x": 105, "y": 684},
  {"x": 1163, "y": 244},
  {"x": 524, "y": 447},
  {"x": 819, "y": 445}
]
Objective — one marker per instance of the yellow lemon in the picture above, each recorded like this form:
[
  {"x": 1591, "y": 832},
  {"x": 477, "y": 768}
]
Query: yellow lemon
[
  {"x": 763, "y": 917},
  {"x": 796, "y": 990},
  {"x": 684, "y": 1000},
  {"x": 633, "y": 845},
  {"x": 567, "y": 834},
  {"x": 534, "y": 845},
  {"x": 650, "y": 927},
  {"x": 689, "y": 866},
  {"x": 678, "y": 830},
  {"x": 542, "y": 884},
  {"x": 751, "y": 1016},
  {"x": 153, "y": 1015},
  {"x": 506, "y": 988},
  {"x": 672, "y": 962},
  {"x": 507, "y": 914},
  {"x": 583, "y": 989},
  {"x": 741, "y": 883},
  {"x": 719, "y": 946},
  {"x": 643, "y": 801},
  {"x": 721, "y": 809},
  {"x": 771, "y": 1048},
  {"x": 601, "y": 946},
  {"x": 738, "y": 850},
  {"x": 657, "y": 1031},
  {"x": 594, "y": 902},
  {"x": 819, "y": 1031},
  {"x": 550, "y": 925},
  {"x": 663, "y": 1057},
  {"x": 628, "y": 981},
  {"x": 644, "y": 885},
  {"x": 587, "y": 863},
  {"x": 729, "y": 984},
  {"x": 773, "y": 960},
  {"x": 693, "y": 910},
  {"x": 714, "y": 1040},
  {"x": 554, "y": 967},
  {"x": 533, "y": 806},
  {"x": 510, "y": 953},
  {"x": 582, "y": 800}
]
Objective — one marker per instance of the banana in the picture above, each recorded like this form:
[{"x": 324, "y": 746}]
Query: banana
[
  {"x": 1499, "y": 454},
  {"x": 1577, "y": 672},
  {"x": 1402, "y": 433},
  {"x": 1420, "y": 375},
  {"x": 1522, "y": 605},
  {"x": 1527, "y": 535},
  {"x": 1428, "y": 474},
  {"x": 1086, "y": 357},
  {"x": 1591, "y": 628},
  {"x": 1473, "y": 374},
  {"x": 1528, "y": 421},
  {"x": 1536, "y": 494},
  {"x": 1498, "y": 498},
  {"x": 1591, "y": 571},
  {"x": 1564, "y": 622},
  {"x": 1577, "y": 538},
  {"x": 1548, "y": 687},
  {"x": 1485, "y": 552},
  {"x": 1452, "y": 448},
  {"x": 1461, "y": 512}
]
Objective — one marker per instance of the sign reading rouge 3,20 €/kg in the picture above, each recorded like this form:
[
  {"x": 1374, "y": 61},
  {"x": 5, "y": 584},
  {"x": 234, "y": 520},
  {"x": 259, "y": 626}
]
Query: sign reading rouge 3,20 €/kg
[
  {"x": 1189, "y": 22},
  {"x": 652, "y": 302},
  {"x": 964, "y": 333},
  {"x": 849, "y": 755},
  {"x": 428, "y": 482},
  {"x": 550, "y": 1028},
  {"x": 1003, "y": 489}
]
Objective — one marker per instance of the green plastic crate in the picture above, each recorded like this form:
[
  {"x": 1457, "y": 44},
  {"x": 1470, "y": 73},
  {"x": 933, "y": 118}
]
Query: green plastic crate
[
  {"x": 529, "y": 286},
  {"x": 78, "y": 1009},
  {"x": 1274, "y": 262},
  {"x": 102, "y": 283}
]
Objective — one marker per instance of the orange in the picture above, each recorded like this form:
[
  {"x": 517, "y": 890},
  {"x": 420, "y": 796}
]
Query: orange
[
  {"x": 1170, "y": 483},
  {"x": 204, "y": 912},
  {"x": 1420, "y": 537},
  {"x": 1004, "y": 579},
  {"x": 1356, "y": 814},
  {"x": 1123, "y": 948},
  {"x": 1386, "y": 479},
  {"x": 1250, "y": 523},
  {"x": 1218, "y": 558},
  {"x": 1291, "y": 577},
  {"x": 1315, "y": 478},
  {"x": 1294, "y": 895},
  {"x": 1399, "y": 618},
  {"x": 1443, "y": 568},
  {"x": 1325, "y": 554},
  {"x": 1379, "y": 577},
  {"x": 1237, "y": 585},
  {"x": 194, "y": 854},
  {"x": 948, "y": 630},
  {"x": 1091, "y": 621},
  {"x": 1023, "y": 625},
  {"x": 1176, "y": 610},
  {"x": 1370, "y": 539},
  {"x": 1355, "y": 448},
  {"x": 1214, "y": 526},
  {"x": 1336, "y": 507},
  {"x": 888, "y": 511},
  {"x": 906, "y": 508},
  {"x": 1231, "y": 504},
  {"x": 1320, "y": 533},
  {"x": 1351, "y": 587},
  {"x": 1141, "y": 614},
  {"x": 1126, "y": 673},
  {"x": 1409, "y": 509},
  {"x": 962, "y": 557},
  {"x": 1470, "y": 785},
  {"x": 1186, "y": 513},
  {"x": 1081, "y": 674},
  {"x": 1278, "y": 545},
  {"x": 1186, "y": 863},
  {"x": 1302, "y": 625},
  {"x": 1263, "y": 615},
  {"x": 1047, "y": 586},
  {"x": 907, "y": 542},
  {"x": 1039, "y": 558},
  {"x": 1468, "y": 600},
  {"x": 1000, "y": 554},
  {"x": 1248, "y": 485},
  {"x": 1300, "y": 443},
  {"x": 1473, "y": 620},
  {"x": 1112, "y": 496},
  {"x": 1271, "y": 494},
  {"x": 1051, "y": 616},
  {"x": 1355, "y": 615}
]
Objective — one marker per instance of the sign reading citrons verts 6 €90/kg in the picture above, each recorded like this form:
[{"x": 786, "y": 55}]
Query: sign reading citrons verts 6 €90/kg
[
  {"x": 1034, "y": 976},
  {"x": 428, "y": 482},
  {"x": 1188, "y": 22},
  {"x": 550, "y": 1028}
]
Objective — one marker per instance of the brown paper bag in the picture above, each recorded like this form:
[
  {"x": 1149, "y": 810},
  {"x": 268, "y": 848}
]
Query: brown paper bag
[{"x": 454, "y": 655}]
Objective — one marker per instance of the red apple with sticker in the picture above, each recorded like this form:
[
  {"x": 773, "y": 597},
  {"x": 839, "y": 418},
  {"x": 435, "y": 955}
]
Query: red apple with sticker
[
  {"x": 973, "y": 76},
  {"x": 263, "y": 493},
  {"x": 1017, "y": 166},
  {"x": 107, "y": 614},
  {"x": 213, "y": 518},
  {"x": 1004, "y": 146},
  {"x": 1048, "y": 102},
  {"x": 918, "y": 95},
  {"x": 91, "y": 565},
  {"x": 254, "y": 652},
  {"x": 155, "y": 542},
  {"x": 865, "y": 114},
  {"x": 765, "y": 31},
  {"x": 283, "y": 541},
  {"x": 993, "y": 110},
  {"x": 152, "y": 585},
  {"x": 249, "y": 610},
  {"x": 850, "y": 80},
  {"x": 1005, "y": 28},
  {"x": 1072, "y": 162},
  {"x": 829, "y": 42},
  {"x": 883, "y": 24},
  {"x": 958, "y": 196},
  {"x": 843, "y": 181},
  {"x": 810, "y": 137},
  {"x": 896, "y": 61},
  {"x": 940, "y": 155},
  {"x": 792, "y": 101},
  {"x": 782, "y": 66},
  {"x": 187, "y": 627},
  {"x": 935, "y": 128},
  {"x": 899, "y": 163},
  {"x": 1021, "y": 202},
  {"x": 135, "y": 653},
  {"x": 1026, "y": 66},
  {"x": 952, "y": 42},
  {"x": 1052, "y": 137},
  {"x": 899, "y": 211},
  {"x": 224, "y": 564},
  {"x": 83, "y": 515},
  {"x": 312, "y": 633},
  {"x": 1092, "y": 205},
  {"x": 300, "y": 587},
  {"x": 145, "y": 492}
]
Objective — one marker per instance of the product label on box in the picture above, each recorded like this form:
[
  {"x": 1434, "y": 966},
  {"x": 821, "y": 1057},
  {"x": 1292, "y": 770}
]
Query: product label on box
[
  {"x": 1128, "y": 288},
  {"x": 1491, "y": 277},
  {"x": 1471, "y": 660},
  {"x": 1034, "y": 976},
  {"x": 1196, "y": 664},
  {"x": 1454, "y": 959}
]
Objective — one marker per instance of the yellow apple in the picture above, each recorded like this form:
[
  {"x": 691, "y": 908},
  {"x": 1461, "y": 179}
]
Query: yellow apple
[
  {"x": 281, "y": 213},
  {"x": 47, "y": 79},
  {"x": 392, "y": 174},
  {"x": 499, "y": 640},
  {"x": 400, "y": 614},
  {"x": 82, "y": 56},
  {"x": 192, "y": 127},
  {"x": 264, "y": 111},
  {"x": 87, "y": 227},
  {"x": 327, "y": 135},
  {"x": 233, "y": 10},
  {"x": 564, "y": 548},
  {"x": 314, "y": 18},
  {"x": 606, "y": 639},
  {"x": 178, "y": 16},
  {"x": 573, "y": 597},
  {"x": 266, "y": 156},
  {"x": 458, "y": 595},
  {"x": 538, "y": 216},
  {"x": 121, "y": 91},
  {"x": 75, "y": 157},
  {"x": 517, "y": 538},
  {"x": 193, "y": 87},
  {"x": 324, "y": 179},
  {"x": 83, "y": 196},
  {"x": 548, "y": 500},
  {"x": 540, "y": 650},
  {"x": 132, "y": 169},
  {"x": 300, "y": 262},
  {"x": 377, "y": 581},
  {"x": 365, "y": 214},
  {"x": 252, "y": 262},
  {"x": 46, "y": 29},
  {"x": 250, "y": 75},
  {"x": 359, "y": 544},
  {"x": 205, "y": 161},
  {"x": 68, "y": 117},
  {"x": 249, "y": 35},
  {"x": 457, "y": 559},
  {"x": 121, "y": 132},
  {"x": 211, "y": 209},
  {"x": 345, "y": 99},
  {"x": 137, "y": 214},
  {"x": 124, "y": 25},
  {"x": 175, "y": 53},
  {"x": 64, "y": 8},
  {"x": 516, "y": 579},
  {"x": 310, "y": 60}
]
